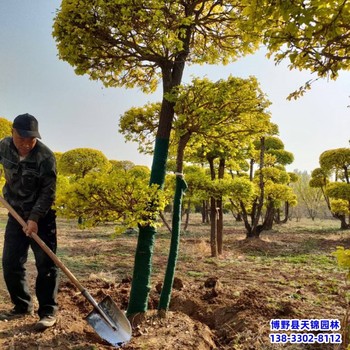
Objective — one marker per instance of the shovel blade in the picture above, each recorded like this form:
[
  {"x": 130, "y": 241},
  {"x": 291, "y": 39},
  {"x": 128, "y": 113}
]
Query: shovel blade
[{"x": 120, "y": 333}]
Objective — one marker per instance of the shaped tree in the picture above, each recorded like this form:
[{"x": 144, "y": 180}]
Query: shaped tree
[
  {"x": 334, "y": 180},
  {"x": 137, "y": 43}
]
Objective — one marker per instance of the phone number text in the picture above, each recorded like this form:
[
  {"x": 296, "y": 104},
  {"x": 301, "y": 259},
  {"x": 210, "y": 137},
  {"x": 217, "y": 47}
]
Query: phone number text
[{"x": 310, "y": 338}]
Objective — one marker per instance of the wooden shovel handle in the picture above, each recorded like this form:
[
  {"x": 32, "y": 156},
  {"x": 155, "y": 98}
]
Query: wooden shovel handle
[
  {"x": 43, "y": 245},
  {"x": 59, "y": 263}
]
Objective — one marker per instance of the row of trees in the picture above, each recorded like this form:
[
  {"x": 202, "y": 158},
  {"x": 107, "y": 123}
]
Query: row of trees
[
  {"x": 90, "y": 185},
  {"x": 224, "y": 126},
  {"x": 253, "y": 184},
  {"x": 318, "y": 200}
]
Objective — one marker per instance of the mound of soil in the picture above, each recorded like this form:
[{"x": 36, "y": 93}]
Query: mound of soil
[
  {"x": 175, "y": 330},
  {"x": 202, "y": 316}
]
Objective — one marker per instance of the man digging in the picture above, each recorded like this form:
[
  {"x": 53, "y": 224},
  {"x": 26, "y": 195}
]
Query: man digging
[{"x": 30, "y": 173}]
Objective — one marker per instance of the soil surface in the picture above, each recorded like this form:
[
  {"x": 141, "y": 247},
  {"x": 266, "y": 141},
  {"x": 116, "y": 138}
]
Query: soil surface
[{"x": 217, "y": 303}]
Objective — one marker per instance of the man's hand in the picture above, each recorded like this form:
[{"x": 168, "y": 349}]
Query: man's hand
[{"x": 32, "y": 227}]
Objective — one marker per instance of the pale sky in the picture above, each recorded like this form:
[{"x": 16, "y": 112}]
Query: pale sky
[{"x": 74, "y": 111}]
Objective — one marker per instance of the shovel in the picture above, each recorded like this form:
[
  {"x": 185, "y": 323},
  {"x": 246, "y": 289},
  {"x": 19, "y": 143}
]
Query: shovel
[{"x": 109, "y": 322}]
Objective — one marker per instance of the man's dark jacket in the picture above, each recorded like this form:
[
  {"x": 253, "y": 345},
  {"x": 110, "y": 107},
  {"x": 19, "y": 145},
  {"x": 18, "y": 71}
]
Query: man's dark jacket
[{"x": 30, "y": 183}]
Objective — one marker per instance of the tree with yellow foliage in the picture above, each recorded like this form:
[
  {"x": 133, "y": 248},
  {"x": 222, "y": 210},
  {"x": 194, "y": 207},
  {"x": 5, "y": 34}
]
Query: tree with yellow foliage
[
  {"x": 5, "y": 130},
  {"x": 333, "y": 177},
  {"x": 137, "y": 43}
]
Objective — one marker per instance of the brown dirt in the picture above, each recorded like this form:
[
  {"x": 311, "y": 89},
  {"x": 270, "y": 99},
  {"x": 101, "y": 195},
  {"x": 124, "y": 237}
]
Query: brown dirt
[{"x": 221, "y": 303}]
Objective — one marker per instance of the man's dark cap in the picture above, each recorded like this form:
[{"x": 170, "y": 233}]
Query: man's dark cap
[{"x": 26, "y": 125}]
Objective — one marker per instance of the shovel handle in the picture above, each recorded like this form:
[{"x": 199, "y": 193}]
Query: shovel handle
[
  {"x": 43, "y": 245},
  {"x": 58, "y": 262}
]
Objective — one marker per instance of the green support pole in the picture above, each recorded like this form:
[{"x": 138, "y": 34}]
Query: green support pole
[
  {"x": 140, "y": 286},
  {"x": 165, "y": 296}
]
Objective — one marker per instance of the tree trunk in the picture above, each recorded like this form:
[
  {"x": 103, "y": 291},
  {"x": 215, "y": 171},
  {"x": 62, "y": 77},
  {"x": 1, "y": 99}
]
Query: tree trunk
[
  {"x": 141, "y": 281},
  {"x": 174, "y": 246},
  {"x": 238, "y": 217},
  {"x": 277, "y": 218},
  {"x": 187, "y": 218},
  {"x": 252, "y": 226},
  {"x": 251, "y": 170},
  {"x": 343, "y": 224},
  {"x": 213, "y": 224},
  {"x": 180, "y": 188},
  {"x": 203, "y": 211},
  {"x": 207, "y": 212},
  {"x": 213, "y": 214},
  {"x": 165, "y": 222},
  {"x": 269, "y": 217},
  {"x": 220, "y": 216},
  {"x": 220, "y": 226},
  {"x": 286, "y": 213},
  {"x": 255, "y": 232}
]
